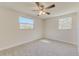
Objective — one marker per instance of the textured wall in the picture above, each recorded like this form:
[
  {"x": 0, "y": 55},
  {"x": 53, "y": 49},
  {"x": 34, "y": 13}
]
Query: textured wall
[
  {"x": 52, "y": 31},
  {"x": 10, "y": 35}
]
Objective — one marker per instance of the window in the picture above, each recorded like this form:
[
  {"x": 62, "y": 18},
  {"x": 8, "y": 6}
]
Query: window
[
  {"x": 65, "y": 23},
  {"x": 25, "y": 23}
]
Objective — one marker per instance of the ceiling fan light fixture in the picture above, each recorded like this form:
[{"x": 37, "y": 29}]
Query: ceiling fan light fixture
[
  {"x": 42, "y": 9},
  {"x": 42, "y": 13}
]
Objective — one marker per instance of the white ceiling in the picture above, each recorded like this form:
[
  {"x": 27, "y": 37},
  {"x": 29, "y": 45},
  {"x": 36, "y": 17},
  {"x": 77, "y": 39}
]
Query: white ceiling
[{"x": 27, "y": 7}]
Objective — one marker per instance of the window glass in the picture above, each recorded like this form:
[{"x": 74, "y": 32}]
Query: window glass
[
  {"x": 65, "y": 23},
  {"x": 25, "y": 23}
]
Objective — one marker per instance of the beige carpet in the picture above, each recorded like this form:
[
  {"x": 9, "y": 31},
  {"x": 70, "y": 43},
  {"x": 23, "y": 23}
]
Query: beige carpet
[{"x": 43, "y": 47}]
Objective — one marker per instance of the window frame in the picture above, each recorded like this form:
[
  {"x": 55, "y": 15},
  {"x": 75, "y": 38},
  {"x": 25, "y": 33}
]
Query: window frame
[
  {"x": 62, "y": 25},
  {"x": 19, "y": 23}
]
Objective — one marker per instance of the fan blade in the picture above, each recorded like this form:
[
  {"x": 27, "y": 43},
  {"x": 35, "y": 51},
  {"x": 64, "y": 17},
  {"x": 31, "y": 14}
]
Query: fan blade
[
  {"x": 47, "y": 13},
  {"x": 35, "y": 10},
  {"x": 51, "y": 6},
  {"x": 37, "y": 3}
]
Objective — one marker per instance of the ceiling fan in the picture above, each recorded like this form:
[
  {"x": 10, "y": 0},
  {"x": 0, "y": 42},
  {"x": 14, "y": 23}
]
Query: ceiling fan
[{"x": 42, "y": 9}]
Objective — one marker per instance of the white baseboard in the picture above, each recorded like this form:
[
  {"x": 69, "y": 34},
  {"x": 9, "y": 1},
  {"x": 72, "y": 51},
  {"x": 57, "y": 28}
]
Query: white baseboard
[
  {"x": 18, "y": 44},
  {"x": 61, "y": 41},
  {"x": 21, "y": 43}
]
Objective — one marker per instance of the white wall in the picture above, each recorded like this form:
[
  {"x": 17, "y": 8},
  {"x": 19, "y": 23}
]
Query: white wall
[
  {"x": 11, "y": 36},
  {"x": 9, "y": 33},
  {"x": 78, "y": 31},
  {"x": 52, "y": 31}
]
